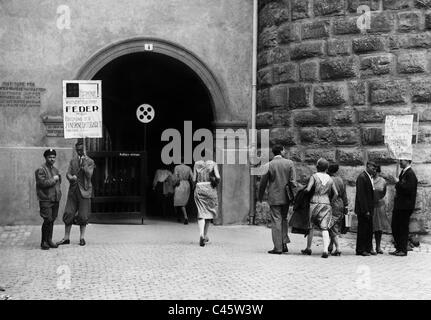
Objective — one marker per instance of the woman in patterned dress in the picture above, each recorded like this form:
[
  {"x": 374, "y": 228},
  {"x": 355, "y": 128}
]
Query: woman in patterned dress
[
  {"x": 183, "y": 174},
  {"x": 205, "y": 173},
  {"x": 320, "y": 205}
]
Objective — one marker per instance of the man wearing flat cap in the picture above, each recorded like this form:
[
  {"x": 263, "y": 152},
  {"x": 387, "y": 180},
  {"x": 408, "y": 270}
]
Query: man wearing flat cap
[
  {"x": 78, "y": 202},
  {"x": 48, "y": 180}
]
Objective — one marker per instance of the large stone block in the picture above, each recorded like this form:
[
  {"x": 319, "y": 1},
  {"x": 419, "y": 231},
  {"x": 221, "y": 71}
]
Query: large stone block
[
  {"x": 357, "y": 92},
  {"x": 338, "y": 47},
  {"x": 408, "y": 21},
  {"x": 286, "y": 73},
  {"x": 421, "y": 90},
  {"x": 345, "y": 26},
  {"x": 413, "y": 62},
  {"x": 343, "y": 117},
  {"x": 376, "y": 64},
  {"x": 380, "y": 156},
  {"x": 315, "y": 29},
  {"x": 423, "y": 4},
  {"x": 299, "y": 9},
  {"x": 265, "y": 77},
  {"x": 381, "y": 22},
  {"x": 385, "y": 92},
  {"x": 288, "y": 32},
  {"x": 262, "y": 99},
  {"x": 396, "y": 4},
  {"x": 294, "y": 154},
  {"x": 378, "y": 115},
  {"x": 283, "y": 136},
  {"x": 264, "y": 119},
  {"x": 328, "y": 7},
  {"x": 274, "y": 13},
  {"x": 367, "y": 44},
  {"x": 312, "y": 118},
  {"x": 299, "y": 96},
  {"x": 278, "y": 96},
  {"x": 338, "y": 68},
  {"x": 268, "y": 38},
  {"x": 282, "y": 117},
  {"x": 352, "y": 157},
  {"x": 410, "y": 41},
  {"x": 428, "y": 21},
  {"x": 312, "y": 155},
  {"x": 330, "y": 95},
  {"x": 422, "y": 154},
  {"x": 352, "y": 5},
  {"x": 346, "y": 136},
  {"x": 309, "y": 71},
  {"x": 279, "y": 54},
  {"x": 319, "y": 136},
  {"x": 424, "y": 135},
  {"x": 307, "y": 50},
  {"x": 372, "y": 136},
  {"x": 424, "y": 112}
]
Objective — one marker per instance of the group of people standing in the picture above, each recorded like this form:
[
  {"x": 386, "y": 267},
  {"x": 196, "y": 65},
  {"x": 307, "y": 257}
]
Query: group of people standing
[
  {"x": 204, "y": 180},
  {"x": 323, "y": 205},
  {"x": 78, "y": 205}
]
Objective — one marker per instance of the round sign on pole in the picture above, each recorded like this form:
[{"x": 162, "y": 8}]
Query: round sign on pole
[{"x": 145, "y": 113}]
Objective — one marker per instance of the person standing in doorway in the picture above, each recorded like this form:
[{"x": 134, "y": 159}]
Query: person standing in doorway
[
  {"x": 48, "y": 180},
  {"x": 380, "y": 218},
  {"x": 364, "y": 209},
  {"x": 78, "y": 204},
  {"x": 320, "y": 205},
  {"x": 280, "y": 174},
  {"x": 207, "y": 177},
  {"x": 404, "y": 204},
  {"x": 183, "y": 175}
]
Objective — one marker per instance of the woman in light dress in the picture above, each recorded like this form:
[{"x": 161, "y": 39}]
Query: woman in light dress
[
  {"x": 320, "y": 205},
  {"x": 183, "y": 174},
  {"x": 380, "y": 217},
  {"x": 206, "y": 176}
]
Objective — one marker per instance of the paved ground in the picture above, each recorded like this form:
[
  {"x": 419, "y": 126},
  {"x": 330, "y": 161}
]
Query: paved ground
[{"x": 162, "y": 260}]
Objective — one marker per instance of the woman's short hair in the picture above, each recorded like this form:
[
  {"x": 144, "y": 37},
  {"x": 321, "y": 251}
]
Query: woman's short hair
[
  {"x": 276, "y": 150},
  {"x": 378, "y": 168},
  {"x": 333, "y": 168},
  {"x": 322, "y": 165}
]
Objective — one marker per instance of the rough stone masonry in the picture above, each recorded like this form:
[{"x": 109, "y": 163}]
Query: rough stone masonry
[{"x": 324, "y": 87}]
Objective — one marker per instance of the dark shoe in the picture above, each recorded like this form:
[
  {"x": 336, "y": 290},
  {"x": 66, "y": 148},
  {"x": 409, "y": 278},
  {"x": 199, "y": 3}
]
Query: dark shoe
[
  {"x": 373, "y": 253},
  {"x": 409, "y": 248},
  {"x": 379, "y": 251},
  {"x": 336, "y": 253},
  {"x": 52, "y": 244},
  {"x": 202, "y": 241},
  {"x": 401, "y": 254},
  {"x": 330, "y": 248},
  {"x": 285, "y": 249},
  {"x": 44, "y": 246},
  {"x": 186, "y": 221},
  {"x": 325, "y": 255},
  {"x": 82, "y": 242},
  {"x": 274, "y": 252},
  {"x": 63, "y": 241},
  {"x": 306, "y": 252},
  {"x": 393, "y": 252},
  {"x": 365, "y": 254}
]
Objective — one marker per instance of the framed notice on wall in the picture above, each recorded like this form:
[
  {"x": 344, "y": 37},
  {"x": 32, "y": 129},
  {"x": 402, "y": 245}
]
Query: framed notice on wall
[
  {"x": 398, "y": 135},
  {"x": 82, "y": 108}
]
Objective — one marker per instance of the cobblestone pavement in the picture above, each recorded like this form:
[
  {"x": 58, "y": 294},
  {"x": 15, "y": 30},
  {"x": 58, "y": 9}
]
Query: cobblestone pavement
[{"x": 162, "y": 260}]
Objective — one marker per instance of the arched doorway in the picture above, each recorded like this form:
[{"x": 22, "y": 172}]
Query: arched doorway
[{"x": 179, "y": 87}]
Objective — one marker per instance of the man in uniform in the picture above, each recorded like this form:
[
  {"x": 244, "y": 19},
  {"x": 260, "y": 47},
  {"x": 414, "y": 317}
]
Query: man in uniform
[
  {"x": 78, "y": 203},
  {"x": 48, "y": 192}
]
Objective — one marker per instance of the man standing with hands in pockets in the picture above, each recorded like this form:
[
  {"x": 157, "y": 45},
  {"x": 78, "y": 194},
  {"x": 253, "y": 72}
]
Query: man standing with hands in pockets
[
  {"x": 78, "y": 203},
  {"x": 280, "y": 174}
]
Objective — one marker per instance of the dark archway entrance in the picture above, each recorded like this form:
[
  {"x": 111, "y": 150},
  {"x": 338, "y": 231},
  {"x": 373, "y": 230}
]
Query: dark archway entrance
[{"x": 177, "y": 94}]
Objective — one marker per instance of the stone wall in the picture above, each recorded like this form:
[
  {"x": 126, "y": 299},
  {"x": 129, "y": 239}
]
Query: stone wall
[{"x": 324, "y": 87}]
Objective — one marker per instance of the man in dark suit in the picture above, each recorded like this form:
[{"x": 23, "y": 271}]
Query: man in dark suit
[
  {"x": 78, "y": 204},
  {"x": 404, "y": 204},
  {"x": 281, "y": 173},
  {"x": 48, "y": 180},
  {"x": 364, "y": 207}
]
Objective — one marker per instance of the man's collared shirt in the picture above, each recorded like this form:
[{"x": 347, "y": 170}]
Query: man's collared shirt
[{"x": 371, "y": 178}]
